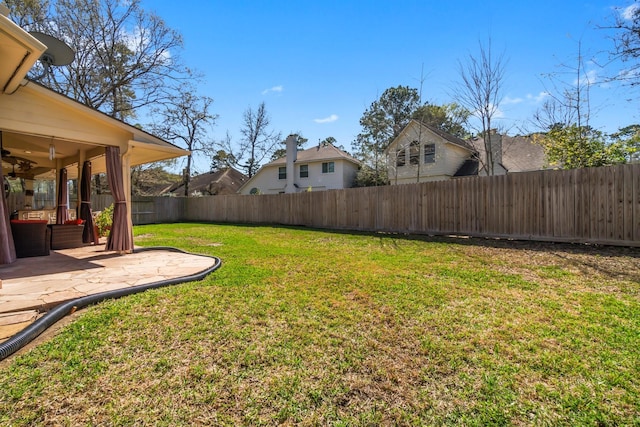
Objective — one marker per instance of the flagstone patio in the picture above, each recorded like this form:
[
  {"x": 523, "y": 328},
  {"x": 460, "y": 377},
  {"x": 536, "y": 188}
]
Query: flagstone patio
[{"x": 31, "y": 286}]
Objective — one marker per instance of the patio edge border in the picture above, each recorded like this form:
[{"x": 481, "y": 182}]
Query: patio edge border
[{"x": 32, "y": 331}]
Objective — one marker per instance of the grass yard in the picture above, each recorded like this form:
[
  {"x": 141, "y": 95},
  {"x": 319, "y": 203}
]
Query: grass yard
[{"x": 303, "y": 327}]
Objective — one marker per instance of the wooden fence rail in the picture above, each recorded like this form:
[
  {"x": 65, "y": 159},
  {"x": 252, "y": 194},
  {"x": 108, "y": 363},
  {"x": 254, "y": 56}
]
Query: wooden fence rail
[{"x": 595, "y": 205}]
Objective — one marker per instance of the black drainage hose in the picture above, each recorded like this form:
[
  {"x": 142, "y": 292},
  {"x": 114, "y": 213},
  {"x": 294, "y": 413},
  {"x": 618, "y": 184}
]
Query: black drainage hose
[{"x": 28, "y": 334}]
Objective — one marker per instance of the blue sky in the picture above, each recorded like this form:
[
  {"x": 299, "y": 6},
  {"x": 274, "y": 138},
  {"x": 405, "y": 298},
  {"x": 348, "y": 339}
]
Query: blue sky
[{"x": 319, "y": 65}]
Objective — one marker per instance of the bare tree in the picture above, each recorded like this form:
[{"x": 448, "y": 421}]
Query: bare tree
[
  {"x": 185, "y": 121},
  {"x": 481, "y": 92},
  {"x": 124, "y": 56},
  {"x": 627, "y": 43},
  {"x": 568, "y": 139},
  {"x": 569, "y": 101},
  {"x": 258, "y": 142}
]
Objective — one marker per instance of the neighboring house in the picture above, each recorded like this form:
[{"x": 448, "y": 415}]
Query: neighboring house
[
  {"x": 323, "y": 167},
  {"x": 224, "y": 181},
  {"x": 423, "y": 153},
  {"x": 511, "y": 154}
]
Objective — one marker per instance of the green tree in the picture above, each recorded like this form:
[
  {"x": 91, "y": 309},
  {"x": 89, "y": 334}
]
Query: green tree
[
  {"x": 450, "y": 118},
  {"x": 369, "y": 177},
  {"x": 573, "y": 146},
  {"x": 381, "y": 123},
  {"x": 150, "y": 179},
  {"x": 628, "y": 138},
  {"x": 329, "y": 140},
  {"x": 222, "y": 160},
  {"x": 282, "y": 152}
]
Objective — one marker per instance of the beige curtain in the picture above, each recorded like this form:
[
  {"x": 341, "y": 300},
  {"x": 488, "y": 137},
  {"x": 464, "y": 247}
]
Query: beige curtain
[{"x": 120, "y": 237}]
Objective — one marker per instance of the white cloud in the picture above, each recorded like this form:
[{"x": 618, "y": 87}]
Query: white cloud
[
  {"x": 589, "y": 78},
  {"x": 592, "y": 76},
  {"x": 331, "y": 118},
  {"x": 508, "y": 100},
  {"x": 277, "y": 89},
  {"x": 629, "y": 74},
  {"x": 538, "y": 98},
  {"x": 629, "y": 11},
  {"x": 496, "y": 113}
]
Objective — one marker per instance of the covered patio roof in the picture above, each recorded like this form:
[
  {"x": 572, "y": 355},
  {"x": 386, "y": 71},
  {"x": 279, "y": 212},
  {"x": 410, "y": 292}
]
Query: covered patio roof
[
  {"x": 43, "y": 132},
  {"x": 34, "y": 118}
]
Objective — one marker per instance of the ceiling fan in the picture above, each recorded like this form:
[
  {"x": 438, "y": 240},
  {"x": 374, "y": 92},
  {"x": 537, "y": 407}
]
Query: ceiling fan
[{"x": 25, "y": 166}]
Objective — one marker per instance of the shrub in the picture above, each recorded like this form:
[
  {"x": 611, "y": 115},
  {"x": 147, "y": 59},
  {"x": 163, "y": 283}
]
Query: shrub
[{"x": 104, "y": 221}]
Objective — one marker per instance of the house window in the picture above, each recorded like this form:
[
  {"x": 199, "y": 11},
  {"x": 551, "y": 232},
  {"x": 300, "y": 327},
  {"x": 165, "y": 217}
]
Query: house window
[
  {"x": 430, "y": 153},
  {"x": 400, "y": 158},
  {"x": 414, "y": 153},
  {"x": 328, "y": 167},
  {"x": 304, "y": 171},
  {"x": 282, "y": 172}
]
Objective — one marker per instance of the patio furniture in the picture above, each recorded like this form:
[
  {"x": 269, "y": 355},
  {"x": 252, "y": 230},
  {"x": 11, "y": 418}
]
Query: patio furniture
[
  {"x": 49, "y": 214},
  {"x": 66, "y": 236},
  {"x": 30, "y": 237},
  {"x": 31, "y": 215}
]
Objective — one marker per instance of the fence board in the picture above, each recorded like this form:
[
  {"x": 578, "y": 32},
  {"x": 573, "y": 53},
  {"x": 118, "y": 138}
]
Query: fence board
[
  {"x": 600, "y": 205},
  {"x": 635, "y": 210},
  {"x": 618, "y": 203}
]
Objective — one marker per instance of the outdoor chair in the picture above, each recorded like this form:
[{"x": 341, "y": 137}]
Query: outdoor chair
[{"x": 30, "y": 237}]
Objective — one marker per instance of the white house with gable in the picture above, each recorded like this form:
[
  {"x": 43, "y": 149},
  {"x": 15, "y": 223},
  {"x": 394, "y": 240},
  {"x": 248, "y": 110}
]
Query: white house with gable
[
  {"x": 323, "y": 167},
  {"x": 423, "y": 153}
]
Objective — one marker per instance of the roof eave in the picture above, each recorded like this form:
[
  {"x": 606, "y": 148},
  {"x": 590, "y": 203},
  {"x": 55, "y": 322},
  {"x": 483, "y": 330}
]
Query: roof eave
[{"x": 21, "y": 51}]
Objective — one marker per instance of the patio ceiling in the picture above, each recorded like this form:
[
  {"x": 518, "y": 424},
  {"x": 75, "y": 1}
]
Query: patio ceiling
[{"x": 29, "y": 155}]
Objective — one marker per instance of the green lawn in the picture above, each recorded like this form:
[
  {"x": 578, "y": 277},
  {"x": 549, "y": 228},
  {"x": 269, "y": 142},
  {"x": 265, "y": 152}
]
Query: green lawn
[{"x": 306, "y": 327}]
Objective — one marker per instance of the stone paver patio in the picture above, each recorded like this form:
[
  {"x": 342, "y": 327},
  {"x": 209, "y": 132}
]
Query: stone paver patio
[{"x": 30, "y": 286}]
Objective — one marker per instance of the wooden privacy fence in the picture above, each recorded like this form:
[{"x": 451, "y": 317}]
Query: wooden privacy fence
[
  {"x": 597, "y": 205},
  {"x": 147, "y": 209}
]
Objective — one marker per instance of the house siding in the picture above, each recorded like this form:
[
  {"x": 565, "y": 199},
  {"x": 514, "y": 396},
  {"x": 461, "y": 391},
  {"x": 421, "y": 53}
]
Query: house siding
[
  {"x": 266, "y": 180},
  {"x": 448, "y": 158}
]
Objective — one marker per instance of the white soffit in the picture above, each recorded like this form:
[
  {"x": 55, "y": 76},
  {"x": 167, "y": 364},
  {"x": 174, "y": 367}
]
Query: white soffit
[{"x": 19, "y": 50}]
